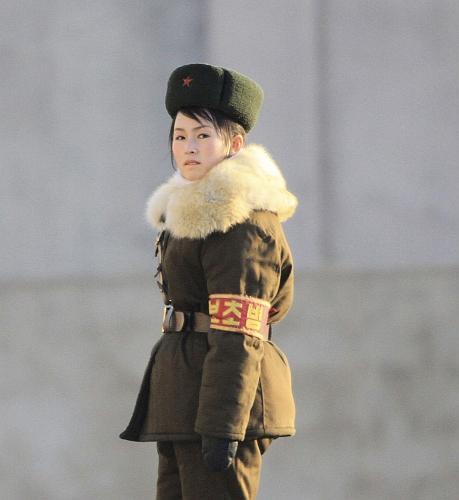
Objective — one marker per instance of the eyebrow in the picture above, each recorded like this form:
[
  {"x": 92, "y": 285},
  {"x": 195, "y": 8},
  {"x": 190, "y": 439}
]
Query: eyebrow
[{"x": 194, "y": 128}]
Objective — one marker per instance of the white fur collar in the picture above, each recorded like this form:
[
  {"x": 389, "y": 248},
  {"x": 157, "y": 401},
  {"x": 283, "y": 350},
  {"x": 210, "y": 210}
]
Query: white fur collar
[{"x": 226, "y": 196}]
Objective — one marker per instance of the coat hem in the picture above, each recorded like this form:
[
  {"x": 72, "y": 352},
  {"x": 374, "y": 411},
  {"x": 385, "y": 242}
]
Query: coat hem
[
  {"x": 273, "y": 432},
  {"x": 158, "y": 436}
]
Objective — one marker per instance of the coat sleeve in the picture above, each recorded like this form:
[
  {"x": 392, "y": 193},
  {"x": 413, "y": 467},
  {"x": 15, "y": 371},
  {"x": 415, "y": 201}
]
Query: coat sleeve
[{"x": 242, "y": 270}]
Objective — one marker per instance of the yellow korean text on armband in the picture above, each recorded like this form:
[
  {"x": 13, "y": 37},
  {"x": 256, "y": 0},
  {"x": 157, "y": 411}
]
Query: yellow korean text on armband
[{"x": 239, "y": 313}]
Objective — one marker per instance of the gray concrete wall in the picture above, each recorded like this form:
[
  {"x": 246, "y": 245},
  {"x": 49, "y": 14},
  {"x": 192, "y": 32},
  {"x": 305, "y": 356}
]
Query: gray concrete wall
[
  {"x": 393, "y": 121},
  {"x": 84, "y": 130},
  {"x": 375, "y": 362},
  {"x": 361, "y": 114},
  {"x": 362, "y": 111}
]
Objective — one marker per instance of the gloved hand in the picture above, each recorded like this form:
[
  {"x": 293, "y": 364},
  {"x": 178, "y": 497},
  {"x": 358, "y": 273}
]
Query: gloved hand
[{"x": 218, "y": 453}]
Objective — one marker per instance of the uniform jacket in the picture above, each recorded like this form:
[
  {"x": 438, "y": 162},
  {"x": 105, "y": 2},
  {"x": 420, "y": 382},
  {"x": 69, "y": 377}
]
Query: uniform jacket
[{"x": 227, "y": 256}]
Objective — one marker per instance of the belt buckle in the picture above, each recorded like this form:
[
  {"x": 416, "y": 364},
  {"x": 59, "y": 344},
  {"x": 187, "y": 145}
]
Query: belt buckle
[
  {"x": 168, "y": 315},
  {"x": 173, "y": 321}
]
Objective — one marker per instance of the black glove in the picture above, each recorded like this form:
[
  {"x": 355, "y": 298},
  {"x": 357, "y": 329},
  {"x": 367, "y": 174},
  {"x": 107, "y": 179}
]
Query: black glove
[{"x": 218, "y": 453}]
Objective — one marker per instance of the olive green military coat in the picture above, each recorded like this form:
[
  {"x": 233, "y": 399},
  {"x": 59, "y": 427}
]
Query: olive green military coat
[{"x": 226, "y": 252}]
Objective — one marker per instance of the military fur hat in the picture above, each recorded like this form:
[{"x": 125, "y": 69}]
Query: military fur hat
[{"x": 234, "y": 94}]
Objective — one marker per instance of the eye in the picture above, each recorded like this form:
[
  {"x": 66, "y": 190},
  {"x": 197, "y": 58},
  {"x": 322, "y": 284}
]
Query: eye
[
  {"x": 179, "y": 138},
  {"x": 203, "y": 135}
]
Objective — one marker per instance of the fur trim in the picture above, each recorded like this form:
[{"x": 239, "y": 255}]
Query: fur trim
[{"x": 250, "y": 180}]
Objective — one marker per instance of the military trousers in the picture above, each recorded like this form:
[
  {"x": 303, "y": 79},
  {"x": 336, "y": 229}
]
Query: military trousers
[{"x": 183, "y": 475}]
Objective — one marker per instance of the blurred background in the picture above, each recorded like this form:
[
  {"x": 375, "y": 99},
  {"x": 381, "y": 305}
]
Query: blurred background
[{"x": 362, "y": 114}]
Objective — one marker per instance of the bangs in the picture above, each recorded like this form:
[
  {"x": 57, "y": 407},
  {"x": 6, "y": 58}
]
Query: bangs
[{"x": 199, "y": 114}]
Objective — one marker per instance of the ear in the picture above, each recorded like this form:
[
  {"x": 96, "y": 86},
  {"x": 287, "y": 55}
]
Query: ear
[{"x": 236, "y": 143}]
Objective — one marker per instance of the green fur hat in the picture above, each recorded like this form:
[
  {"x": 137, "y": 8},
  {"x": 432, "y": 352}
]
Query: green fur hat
[{"x": 234, "y": 94}]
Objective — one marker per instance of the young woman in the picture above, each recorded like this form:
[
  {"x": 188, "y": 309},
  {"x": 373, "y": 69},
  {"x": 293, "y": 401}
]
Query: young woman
[{"x": 217, "y": 389}]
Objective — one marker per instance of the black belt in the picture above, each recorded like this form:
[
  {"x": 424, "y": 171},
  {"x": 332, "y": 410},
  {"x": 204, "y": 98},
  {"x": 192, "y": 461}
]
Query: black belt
[{"x": 191, "y": 321}]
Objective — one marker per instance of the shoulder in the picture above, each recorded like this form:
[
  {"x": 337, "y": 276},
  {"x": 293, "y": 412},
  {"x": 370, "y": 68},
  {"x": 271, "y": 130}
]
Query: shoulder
[
  {"x": 259, "y": 236},
  {"x": 266, "y": 222},
  {"x": 262, "y": 223}
]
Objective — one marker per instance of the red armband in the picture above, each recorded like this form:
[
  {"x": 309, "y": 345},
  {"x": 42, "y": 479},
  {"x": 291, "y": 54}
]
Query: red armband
[{"x": 239, "y": 313}]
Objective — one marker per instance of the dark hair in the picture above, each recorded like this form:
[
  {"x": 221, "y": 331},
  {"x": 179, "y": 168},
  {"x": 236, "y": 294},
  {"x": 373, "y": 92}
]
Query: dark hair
[{"x": 225, "y": 127}]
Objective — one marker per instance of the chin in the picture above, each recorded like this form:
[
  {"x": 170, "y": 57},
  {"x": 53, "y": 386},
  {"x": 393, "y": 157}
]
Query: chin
[{"x": 195, "y": 175}]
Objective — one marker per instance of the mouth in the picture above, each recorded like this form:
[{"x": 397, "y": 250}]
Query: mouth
[{"x": 192, "y": 162}]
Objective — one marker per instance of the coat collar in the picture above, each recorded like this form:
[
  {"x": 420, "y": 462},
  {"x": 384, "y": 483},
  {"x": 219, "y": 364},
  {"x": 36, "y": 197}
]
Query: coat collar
[{"x": 226, "y": 196}]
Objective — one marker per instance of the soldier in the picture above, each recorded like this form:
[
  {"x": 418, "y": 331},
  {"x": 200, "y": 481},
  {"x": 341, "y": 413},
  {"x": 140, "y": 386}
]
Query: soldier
[{"x": 217, "y": 389}]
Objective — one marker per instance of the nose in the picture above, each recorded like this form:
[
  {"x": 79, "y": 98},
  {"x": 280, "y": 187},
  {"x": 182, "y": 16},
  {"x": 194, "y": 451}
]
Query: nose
[{"x": 191, "y": 146}]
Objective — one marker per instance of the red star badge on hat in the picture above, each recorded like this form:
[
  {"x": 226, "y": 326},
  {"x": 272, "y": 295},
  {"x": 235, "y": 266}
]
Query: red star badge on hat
[{"x": 187, "y": 81}]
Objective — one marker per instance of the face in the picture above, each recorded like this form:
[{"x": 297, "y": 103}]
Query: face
[{"x": 196, "y": 147}]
